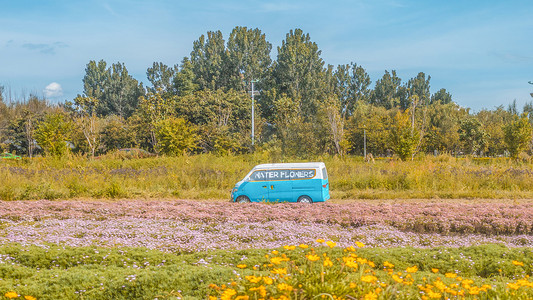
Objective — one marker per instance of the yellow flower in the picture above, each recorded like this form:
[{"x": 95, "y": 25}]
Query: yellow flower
[
  {"x": 275, "y": 252},
  {"x": 434, "y": 270},
  {"x": 353, "y": 285},
  {"x": 328, "y": 262},
  {"x": 277, "y": 260},
  {"x": 359, "y": 244},
  {"x": 369, "y": 278},
  {"x": 289, "y": 247},
  {"x": 433, "y": 295},
  {"x": 513, "y": 286},
  {"x": 350, "y": 249},
  {"x": 388, "y": 265},
  {"x": 303, "y": 246},
  {"x": 312, "y": 257},
  {"x": 397, "y": 278},
  {"x": 29, "y": 298},
  {"x": 268, "y": 280},
  {"x": 213, "y": 298},
  {"x": 279, "y": 271},
  {"x": 228, "y": 294},
  {"x": 261, "y": 289},
  {"x": 450, "y": 275},
  {"x": 352, "y": 264},
  {"x": 285, "y": 287},
  {"x": 253, "y": 279},
  {"x": 320, "y": 241},
  {"x": 11, "y": 295},
  {"x": 412, "y": 269},
  {"x": 331, "y": 244},
  {"x": 242, "y": 298},
  {"x": 241, "y": 266},
  {"x": 518, "y": 263},
  {"x": 370, "y": 296}
]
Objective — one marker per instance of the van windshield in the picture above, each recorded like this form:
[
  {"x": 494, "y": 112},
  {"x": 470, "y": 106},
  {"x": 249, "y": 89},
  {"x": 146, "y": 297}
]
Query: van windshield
[{"x": 324, "y": 174}]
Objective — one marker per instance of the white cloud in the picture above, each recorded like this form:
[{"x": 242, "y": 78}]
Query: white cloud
[{"x": 53, "y": 90}]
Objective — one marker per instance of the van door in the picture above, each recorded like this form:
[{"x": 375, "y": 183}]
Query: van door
[
  {"x": 279, "y": 186},
  {"x": 304, "y": 183},
  {"x": 257, "y": 187}
]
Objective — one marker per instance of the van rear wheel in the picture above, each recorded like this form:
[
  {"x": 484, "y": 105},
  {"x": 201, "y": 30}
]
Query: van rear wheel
[
  {"x": 242, "y": 199},
  {"x": 305, "y": 199}
]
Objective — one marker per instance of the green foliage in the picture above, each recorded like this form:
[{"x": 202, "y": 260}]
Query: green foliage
[
  {"x": 248, "y": 57},
  {"x": 472, "y": 135},
  {"x": 116, "y": 90},
  {"x": 161, "y": 76},
  {"x": 334, "y": 106},
  {"x": 299, "y": 72},
  {"x": 387, "y": 92},
  {"x": 117, "y": 134},
  {"x": 52, "y": 135},
  {"x": 518, "y": 135},
  {"x": 207, "y": 60},
  {"x": 404, "y": 136},
  {"x": 441, "y": 96},
  {"x": 176, "y": 136}
]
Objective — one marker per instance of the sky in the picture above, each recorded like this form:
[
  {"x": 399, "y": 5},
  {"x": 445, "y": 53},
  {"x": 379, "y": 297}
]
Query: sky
[{"x": 479, "y": 51}]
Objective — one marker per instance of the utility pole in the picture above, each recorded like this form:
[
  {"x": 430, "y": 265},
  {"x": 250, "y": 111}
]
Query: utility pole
[
  {"x": 364, "y": 141},
  {"x": 253, "y": 112}
]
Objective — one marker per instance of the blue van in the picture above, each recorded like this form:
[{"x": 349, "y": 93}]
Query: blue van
[{"x": 285, "y": 182}]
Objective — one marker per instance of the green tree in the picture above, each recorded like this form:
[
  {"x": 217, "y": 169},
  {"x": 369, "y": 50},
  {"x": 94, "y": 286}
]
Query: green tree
[
  {"x": 53, "y": 133},
  {"x": 299, "y": 72},
  {"x": 472, "y": 135},
  {"x": 184, "y": 81},
  {"x": 351, "y": 86},
  {"x": 96, "y": 78},
  {"x": 248, "y": 57},
  {"x": 87, "y": 122},
  {"x": 419, "y": 86},
  {"x": 176, "y": 136},
  {"x": 162, "y": 78},
  {"x": 333, "y": 110},
  {"x": 386, "y": 93},
  {"x": 441, "y": 96},
  {"x": 122, "y": 93},
  {"x": 518, "y": 135},
  {"x": 117, "y": 134},
  {"x": 117, "y": 92},
  {"x": 493, "y": 122},
  {"x": 442, "y": 127},
  {"x": 218, "y": 113},
  {"x": 404, "y": 137},
  {"x": 207, "y": 59},
  {"x": 154, "y": 108}
]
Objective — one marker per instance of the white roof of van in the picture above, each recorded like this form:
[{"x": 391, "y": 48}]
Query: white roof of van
[{"x": 290, "y": 165}]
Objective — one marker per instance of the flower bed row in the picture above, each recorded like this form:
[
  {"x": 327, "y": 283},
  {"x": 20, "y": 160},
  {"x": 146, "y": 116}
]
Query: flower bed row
[
  {"x": 421, "y": 217},
  {"x": 191, "y": 236}
]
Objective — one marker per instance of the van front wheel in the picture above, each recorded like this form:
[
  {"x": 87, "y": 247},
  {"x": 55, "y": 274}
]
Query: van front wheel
[
  {"x": 305, "y": 199},
  {"x": 242, "y": 199}
]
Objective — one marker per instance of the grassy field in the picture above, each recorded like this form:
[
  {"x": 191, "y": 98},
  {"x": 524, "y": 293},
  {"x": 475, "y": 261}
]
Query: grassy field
[{"x": 212, "y": 177}]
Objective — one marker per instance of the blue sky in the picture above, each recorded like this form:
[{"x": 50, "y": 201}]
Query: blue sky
[{"x": 480, "y": 51}]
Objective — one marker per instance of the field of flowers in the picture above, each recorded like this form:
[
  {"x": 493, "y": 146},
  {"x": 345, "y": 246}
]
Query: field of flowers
[{"x": 186, "y": 249}]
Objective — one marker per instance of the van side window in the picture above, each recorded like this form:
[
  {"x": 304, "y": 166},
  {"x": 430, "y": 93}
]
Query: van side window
[{"x": 324, "y": 174}]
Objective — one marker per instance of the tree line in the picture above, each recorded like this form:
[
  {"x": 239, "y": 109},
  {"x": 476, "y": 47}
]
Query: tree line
[{"x": 304, "y": 107}]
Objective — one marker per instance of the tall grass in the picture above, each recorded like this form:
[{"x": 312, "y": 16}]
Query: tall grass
[{"x": 211, "y": 177}]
